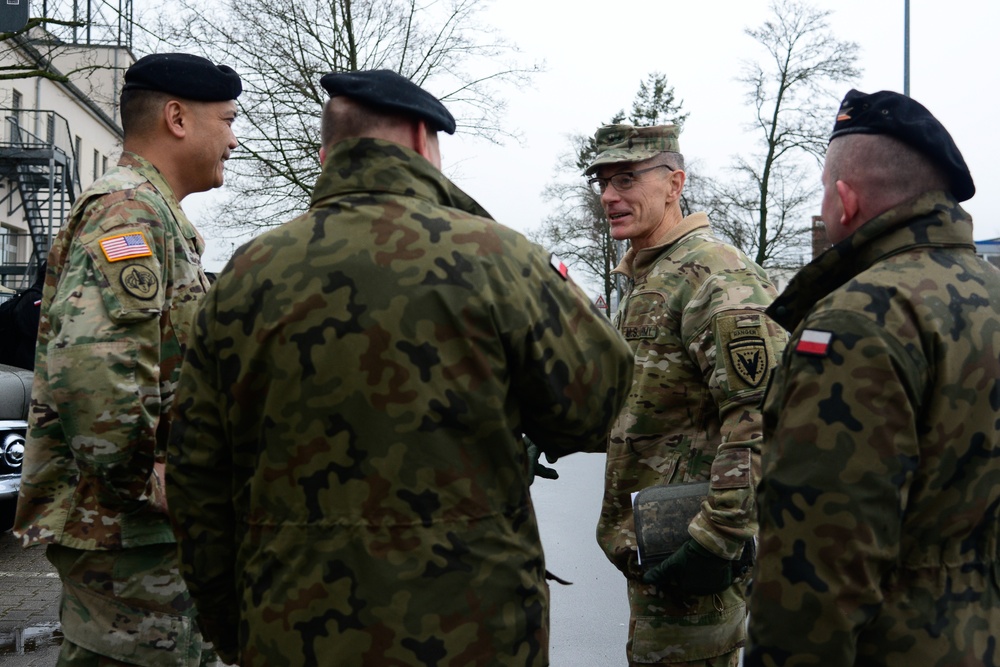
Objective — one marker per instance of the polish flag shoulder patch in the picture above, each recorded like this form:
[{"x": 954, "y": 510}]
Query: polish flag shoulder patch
[
  {"x": 814, "y": 342},
  {"x": 558, "y": 265}
]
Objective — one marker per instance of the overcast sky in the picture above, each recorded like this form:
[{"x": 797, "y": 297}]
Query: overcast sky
[{"x": 597, "y": 53}]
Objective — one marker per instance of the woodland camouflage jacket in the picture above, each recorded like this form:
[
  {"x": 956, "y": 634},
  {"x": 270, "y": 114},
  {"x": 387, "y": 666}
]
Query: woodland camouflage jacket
[
  {"x": 348, "y": 476},
  {"x": 880, "y": 499}
]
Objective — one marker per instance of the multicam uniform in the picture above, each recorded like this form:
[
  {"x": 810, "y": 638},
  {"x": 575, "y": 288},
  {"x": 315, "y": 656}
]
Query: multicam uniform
[
  {"x": 880, "y": 499},
  {"x": 347, "y": 473},
  {"x": 694, "y": 316},
  {"x": 123, "y": 278}
]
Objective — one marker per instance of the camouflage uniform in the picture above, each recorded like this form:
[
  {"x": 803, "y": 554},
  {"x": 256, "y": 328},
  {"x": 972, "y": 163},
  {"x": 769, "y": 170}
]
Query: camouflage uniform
[
  {"x": 347, "y": 474},
  {"x": 694, "y": 316},
  {"x": 881, "y": 484},
  {"x": 123, "y": 278}
]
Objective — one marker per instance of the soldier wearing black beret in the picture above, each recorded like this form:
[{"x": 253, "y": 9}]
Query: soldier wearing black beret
[
  {"x": 879, "y": 504},
  {"x": 124, "y": 276},
  {"x": 402, "y": 341}
]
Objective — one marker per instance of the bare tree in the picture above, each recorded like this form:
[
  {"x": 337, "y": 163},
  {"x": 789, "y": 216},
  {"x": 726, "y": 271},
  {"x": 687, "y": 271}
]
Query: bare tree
[
  {"x": 578, "y": 231},
  {"x": 759, "y": 211},
  {"x": 282, "y": 49}
]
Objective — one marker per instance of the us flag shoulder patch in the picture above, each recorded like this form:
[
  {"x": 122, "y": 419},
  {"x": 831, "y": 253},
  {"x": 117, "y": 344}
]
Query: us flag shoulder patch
[
  {"x": 558, "y": 265},
  {"x": 814, "y": 342},
  {"x": 125, "y": 246}
]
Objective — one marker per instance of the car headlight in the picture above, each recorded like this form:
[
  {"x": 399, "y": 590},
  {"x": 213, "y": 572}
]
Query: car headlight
[{"x": 13, "y": 450}]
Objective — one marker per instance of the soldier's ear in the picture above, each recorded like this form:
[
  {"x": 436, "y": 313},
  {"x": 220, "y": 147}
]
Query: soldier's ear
[
  {"x": 849, "y": 205},
  {"x": 175, "y": 117},
  {"x": 675, "y": 185}
]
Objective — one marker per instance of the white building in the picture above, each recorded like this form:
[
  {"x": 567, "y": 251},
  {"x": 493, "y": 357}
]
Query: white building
[{"x": 56, "y": 137}]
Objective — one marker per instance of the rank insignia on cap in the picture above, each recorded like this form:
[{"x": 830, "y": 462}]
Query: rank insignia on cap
[
  {"x": 125, "y": 246},
  {"x": 814, "y": 342},
  {"x": 558, "y": 265}
]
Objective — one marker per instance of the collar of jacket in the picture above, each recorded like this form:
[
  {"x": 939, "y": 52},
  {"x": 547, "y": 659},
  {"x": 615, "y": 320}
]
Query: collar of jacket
[
  {"x": 933, "y": 219},
  {"x": 638, "y": 263},
  {"x": 367, "y": 166},
  {"x": 148, "y": 170}
]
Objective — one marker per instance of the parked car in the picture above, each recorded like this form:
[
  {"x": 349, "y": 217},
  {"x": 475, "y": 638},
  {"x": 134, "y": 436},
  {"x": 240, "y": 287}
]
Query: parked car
[{"x": 15, "y": 394}]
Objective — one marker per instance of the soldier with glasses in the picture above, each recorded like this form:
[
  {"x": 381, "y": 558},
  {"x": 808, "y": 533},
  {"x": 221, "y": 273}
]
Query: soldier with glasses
[{"x": 694, "y": 317}]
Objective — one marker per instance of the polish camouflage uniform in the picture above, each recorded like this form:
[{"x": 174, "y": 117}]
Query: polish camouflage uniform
[
  {"x": 881, "y": 487},
  {"x": 124, "y": 276},
  {"x": 694, "y": 315},
  {"x": 347, "y": 474}
]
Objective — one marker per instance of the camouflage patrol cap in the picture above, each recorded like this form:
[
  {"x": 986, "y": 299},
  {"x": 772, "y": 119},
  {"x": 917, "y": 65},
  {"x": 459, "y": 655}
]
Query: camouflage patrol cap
[
  {"x": 627, "y": 143},
  {"x": 905, "y": 119},
  {"x": 185, "y": 75},
  {"x": 387, "y": 90}
]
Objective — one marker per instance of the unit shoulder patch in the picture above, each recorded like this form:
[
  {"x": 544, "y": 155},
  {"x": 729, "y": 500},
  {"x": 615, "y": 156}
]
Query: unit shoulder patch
[
  {"x": 139, "y": 281},
  {"x": 743, "y": 345},
  {"x": 748, "y": 355}
]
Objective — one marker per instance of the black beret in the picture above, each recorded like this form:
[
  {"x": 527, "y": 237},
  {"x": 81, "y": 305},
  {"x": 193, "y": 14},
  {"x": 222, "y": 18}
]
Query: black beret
[
  {"x": 903, "y": 118},
  {"x": 184, "y": 75},
  {"x": 389, "y": 91}
]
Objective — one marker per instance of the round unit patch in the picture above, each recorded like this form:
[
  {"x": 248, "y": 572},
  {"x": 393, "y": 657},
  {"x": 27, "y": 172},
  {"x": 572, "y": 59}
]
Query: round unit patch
[{"x": 140, "y": 282}]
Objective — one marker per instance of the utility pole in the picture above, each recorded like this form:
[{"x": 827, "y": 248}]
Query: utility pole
[{"x": 906, "y": 47}]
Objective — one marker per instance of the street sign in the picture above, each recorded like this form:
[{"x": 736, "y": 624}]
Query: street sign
[
  {"x": 13, "y": 15},
  {"x": 601, "y": 303}
]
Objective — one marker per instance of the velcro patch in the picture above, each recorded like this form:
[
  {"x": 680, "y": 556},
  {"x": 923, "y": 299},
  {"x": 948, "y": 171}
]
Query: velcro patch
[
  {"x": 731, "y": 469},
  {"x": 814, "y": 342},
  {"x": 125, "y": 246}
]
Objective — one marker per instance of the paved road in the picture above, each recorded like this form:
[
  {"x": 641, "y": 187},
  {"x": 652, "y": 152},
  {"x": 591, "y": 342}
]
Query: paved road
[
  {"x": 588, "y": 619},
  {"x": 29, "y": 606}
]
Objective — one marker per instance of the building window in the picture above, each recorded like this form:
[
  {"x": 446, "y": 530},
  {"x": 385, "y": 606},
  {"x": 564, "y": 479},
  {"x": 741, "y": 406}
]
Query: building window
[
  {"x": 104, "y": 164},
  {"x": 97, "y": 163},
  {"x": 50, "y": 129},
  {"x": 8, "y": 245}
]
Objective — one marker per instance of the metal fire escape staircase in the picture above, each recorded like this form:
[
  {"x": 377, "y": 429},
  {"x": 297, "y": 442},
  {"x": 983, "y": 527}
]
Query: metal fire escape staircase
[{"x": 43, "y": 174}]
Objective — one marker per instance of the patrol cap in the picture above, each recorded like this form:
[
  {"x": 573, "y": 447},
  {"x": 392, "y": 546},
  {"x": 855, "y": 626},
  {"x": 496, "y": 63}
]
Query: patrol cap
[
  {"x": 386, "y": 90},
  {"x": 185, "y": 75},
  {"x": 905, "y": 119},
  {"x": 626, "y": 143}
]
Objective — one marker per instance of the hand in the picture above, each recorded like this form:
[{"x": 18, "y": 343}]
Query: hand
[
  {"x": 158, "y": 496},
  {"x": 536, "y": 467},
  {"x": 692, "y": 569}
]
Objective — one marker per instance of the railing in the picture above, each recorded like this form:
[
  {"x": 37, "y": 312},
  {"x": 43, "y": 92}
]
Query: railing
[{"x": 37, "y": 130}]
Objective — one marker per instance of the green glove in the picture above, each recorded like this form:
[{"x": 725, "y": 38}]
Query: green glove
[
  {"x": 692, "y": 569},
  {"x": 536, "y": 468}
]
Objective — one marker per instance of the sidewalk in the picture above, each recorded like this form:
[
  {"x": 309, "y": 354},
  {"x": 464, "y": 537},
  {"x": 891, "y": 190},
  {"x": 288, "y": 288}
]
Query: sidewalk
[{"x": 29, "y": 606}]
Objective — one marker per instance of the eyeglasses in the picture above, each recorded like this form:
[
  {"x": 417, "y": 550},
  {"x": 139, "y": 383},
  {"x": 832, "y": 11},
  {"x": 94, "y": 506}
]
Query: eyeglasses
[{"x": 622, "y": 181}]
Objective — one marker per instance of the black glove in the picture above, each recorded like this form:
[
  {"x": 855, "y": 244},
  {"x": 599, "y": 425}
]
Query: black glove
[
  {"x": 535, "y": 466},
  {"x": 692, "y": 569}
]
